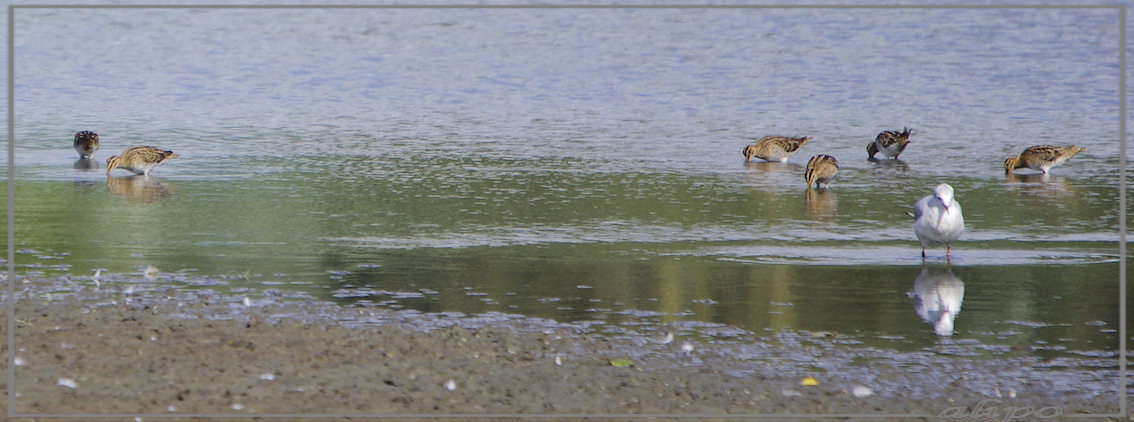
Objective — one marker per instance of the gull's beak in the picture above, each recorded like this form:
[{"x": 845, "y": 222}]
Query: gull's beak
[{"x": 942, "y": 201}]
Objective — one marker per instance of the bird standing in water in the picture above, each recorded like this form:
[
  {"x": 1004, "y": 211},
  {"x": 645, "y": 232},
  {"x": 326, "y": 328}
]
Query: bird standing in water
[
  {"x": 140, "y": 159},
  {"x": 938, "y": 219},
  {"x": 86, "y": 143},
  {"x": 774, "y": 148},
  {"x": 820, "y": 170},
  {"x": 890, "y": 143},
  {"x": 1042, "y": 157}
]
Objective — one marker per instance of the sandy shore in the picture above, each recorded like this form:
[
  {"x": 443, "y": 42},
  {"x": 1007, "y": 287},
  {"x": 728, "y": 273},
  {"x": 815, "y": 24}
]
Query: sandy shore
[{"x": 119, "y": 349}]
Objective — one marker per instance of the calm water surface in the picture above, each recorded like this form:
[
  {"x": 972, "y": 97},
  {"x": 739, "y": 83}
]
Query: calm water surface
[{"x": 585, "y": 165}]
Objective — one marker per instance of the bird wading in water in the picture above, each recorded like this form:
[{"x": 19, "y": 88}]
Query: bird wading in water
[
  {"x": 140, "y": 159},
  {"x": 1042, "y": 157},
  {"x": 774, "y": 148},
  {"x": 86, "y": 143},
  {"x": 890, "y": 143},
  {"x": 938, "y": 219}
]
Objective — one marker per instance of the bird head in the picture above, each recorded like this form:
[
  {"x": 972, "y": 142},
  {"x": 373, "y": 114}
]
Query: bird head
[
  {"x": 872, "y": 149},
  {"x": 112, "y": 163},
  {"x": 1010, "y": 164},
  {"x": 944, "y": 324},
  {"x": 944, "y": 193}
]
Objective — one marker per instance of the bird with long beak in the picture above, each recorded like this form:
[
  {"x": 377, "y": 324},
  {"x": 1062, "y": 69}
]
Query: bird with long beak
[
  {"x": 820, "y": 170},
  {"x": 1042, "y": 157},
  {"x": 140, "y": 159},
  {"x": 774, "y": 148}
]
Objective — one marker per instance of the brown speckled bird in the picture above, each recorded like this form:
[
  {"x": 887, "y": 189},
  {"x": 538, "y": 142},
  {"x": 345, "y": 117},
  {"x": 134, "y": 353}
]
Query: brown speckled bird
[
  {"x": 820, "y": 170},
  {"x": 139, "y": 160},
  {"x": 86, "y": 143},
  {"x": 1042, "y": 157},
  {"x": 890, "y": 143},
  {"x": 774, "y": 148}
]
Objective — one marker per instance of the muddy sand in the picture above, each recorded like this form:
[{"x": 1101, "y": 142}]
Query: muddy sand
[{"x": 142, "y": 349}]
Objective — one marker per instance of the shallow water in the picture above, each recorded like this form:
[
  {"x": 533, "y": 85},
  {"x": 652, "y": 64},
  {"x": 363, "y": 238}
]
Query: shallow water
[{"x": 585, "y": 165}]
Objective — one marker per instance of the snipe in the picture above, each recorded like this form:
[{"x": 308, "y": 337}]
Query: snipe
[
  {"x": 774, "y": 148},
  {"x": 140, "y": 159}
]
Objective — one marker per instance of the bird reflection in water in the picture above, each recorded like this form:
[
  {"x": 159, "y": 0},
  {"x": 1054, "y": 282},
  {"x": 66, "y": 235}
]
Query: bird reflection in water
[
  {"x": 772, "y": 166},
  {"x": 775, "y": 175},
  {"x": 1040, "y": 185},
  {"x": 889, "y": 166},
  {"x": 937, "y": 298},
  {"x": 139, "y": 189},
  {"x": 85, "y": 164},
  {"x": 822, "y": 204}
]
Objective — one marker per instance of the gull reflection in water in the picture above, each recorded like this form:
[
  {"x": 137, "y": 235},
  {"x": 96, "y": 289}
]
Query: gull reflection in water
[
  {"x": 85, "y": 164},
  {"x": 937, "y": 298},
  {"x": 140, "y": 189}
]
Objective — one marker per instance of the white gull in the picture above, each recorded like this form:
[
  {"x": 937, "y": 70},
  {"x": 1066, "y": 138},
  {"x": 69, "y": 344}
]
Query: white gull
[{"x": 938, "y": 219}]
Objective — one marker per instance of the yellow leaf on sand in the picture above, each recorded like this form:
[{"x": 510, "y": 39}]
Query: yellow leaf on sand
[
  {"x": 808, "y": 380},
  {"x": 621, "y": 363}
]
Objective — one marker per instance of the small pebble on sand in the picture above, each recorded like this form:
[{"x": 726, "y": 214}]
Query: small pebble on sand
[{"x": 862, "y": 391}]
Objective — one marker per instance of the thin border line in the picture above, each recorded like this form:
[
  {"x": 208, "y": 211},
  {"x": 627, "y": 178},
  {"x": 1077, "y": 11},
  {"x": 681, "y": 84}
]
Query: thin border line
[
  {"x": 10, "y": 289},
  {"x": 1122, "y": 393},
  {"x": 558, "y": 6},
  {"x": 1122, "y": 212},
  {"x": 472, "y": 415}
]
